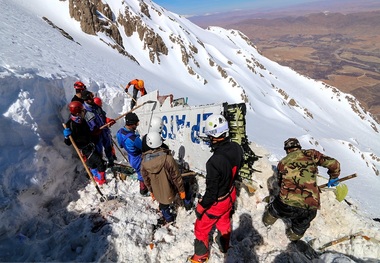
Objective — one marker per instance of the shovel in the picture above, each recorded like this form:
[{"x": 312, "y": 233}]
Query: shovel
[{"x": 341, "y": 190}]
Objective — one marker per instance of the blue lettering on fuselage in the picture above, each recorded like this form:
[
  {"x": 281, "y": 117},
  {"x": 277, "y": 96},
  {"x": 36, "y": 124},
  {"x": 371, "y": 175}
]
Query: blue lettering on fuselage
[{"x": 182, "y": 122}]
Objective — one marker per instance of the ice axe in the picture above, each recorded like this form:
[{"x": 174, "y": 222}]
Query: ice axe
[
  {"x": 123, "y": 115},
  {"x": 103, "y": 198}
]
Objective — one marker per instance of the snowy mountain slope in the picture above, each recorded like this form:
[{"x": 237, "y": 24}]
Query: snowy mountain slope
[
  {"x": 218, "y": 64},
  {"x": 48, "y": 207}
]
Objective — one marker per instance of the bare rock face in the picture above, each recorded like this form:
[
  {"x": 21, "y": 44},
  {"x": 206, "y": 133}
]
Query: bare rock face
[
  {"x": 95, "y": 16},
  {"x": 84, "y": 12}
]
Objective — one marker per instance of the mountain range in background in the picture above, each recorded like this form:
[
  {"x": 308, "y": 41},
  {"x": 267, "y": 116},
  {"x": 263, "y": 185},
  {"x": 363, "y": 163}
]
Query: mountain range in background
[{"x": 335, "y": 42}]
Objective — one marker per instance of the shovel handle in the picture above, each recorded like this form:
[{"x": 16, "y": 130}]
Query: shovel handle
[
  {"x": 121, "y": 116},
  {"x": 341, "y": 179}
]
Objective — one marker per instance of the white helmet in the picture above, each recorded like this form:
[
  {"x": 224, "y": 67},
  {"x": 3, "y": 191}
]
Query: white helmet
[
  {"x": 216, "y": 126},
  {"x": 153, "y": 140},
  {"x": 156, "y": 124}
]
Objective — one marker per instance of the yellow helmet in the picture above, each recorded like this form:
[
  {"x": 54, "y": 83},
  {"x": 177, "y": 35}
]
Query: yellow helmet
[{"x": 140, "y": 83}]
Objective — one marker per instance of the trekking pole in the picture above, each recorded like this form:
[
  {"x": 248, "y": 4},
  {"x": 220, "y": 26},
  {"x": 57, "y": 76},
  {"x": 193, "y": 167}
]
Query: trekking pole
[
  {"x": 341, "y": 179},
  {"x": 121, "y": 116},
  {"x": 85, "y": 165}
]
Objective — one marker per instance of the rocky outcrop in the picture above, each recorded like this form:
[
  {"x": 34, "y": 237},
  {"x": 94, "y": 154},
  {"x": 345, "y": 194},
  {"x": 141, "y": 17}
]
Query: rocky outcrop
[
  {"x": 95, "y": 16},
  {"x": 152, "y": 41}
]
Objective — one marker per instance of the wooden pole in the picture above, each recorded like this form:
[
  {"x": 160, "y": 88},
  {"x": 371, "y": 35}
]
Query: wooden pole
[
  {"x": 84, "y": 163},
  {"x": 123, "y": 115},
  {"x": 341, "y": 179}
]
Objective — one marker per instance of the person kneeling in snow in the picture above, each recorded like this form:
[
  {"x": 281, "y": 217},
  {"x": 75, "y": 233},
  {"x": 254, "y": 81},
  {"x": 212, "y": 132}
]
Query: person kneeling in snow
[
  {"x": 80, "y": 132},
  {"x": 298, "y": 199},
  {"x": 161, "y": 175}
]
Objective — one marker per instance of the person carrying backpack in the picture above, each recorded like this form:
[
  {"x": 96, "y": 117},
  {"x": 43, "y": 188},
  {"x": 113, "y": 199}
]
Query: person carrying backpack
[{"x": 77, "y": 128}]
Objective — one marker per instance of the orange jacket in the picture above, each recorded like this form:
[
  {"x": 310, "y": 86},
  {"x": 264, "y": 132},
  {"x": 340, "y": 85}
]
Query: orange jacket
[{"x": 135, "y": 84}]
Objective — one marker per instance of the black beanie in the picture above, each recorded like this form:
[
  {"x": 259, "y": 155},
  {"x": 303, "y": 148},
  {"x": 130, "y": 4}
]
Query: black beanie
[{"x": 131, "y": 118}]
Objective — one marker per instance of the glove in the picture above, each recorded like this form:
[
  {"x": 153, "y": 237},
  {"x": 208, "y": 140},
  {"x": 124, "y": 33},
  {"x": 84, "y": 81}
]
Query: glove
[
  {"x": 152, "y": 195},
  {"x": 66, "y": 132},
  {"x": 182, "y": 195},
  {"x": 110, "y": 121},
  {"x": 126, "y": 90},
  {"x": 199, "y": 211},
  {"x": 333, "y": 182}
]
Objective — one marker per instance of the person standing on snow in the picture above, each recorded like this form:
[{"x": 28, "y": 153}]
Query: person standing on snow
[
  {"x": 138, "y": 85},
  {"x": 161, "y": 175},
  {"x": 129, "y": 139},
  {"x": 155, "y": 125},
  {"x": 215, "y": 207},
  {"x": 79, "y": 87},
  {"x": 98, "y": 101},
  {"x": 298, "y": 199},
  {"x": 80, "y": 132},
  {"x": 96, "y": 118}
]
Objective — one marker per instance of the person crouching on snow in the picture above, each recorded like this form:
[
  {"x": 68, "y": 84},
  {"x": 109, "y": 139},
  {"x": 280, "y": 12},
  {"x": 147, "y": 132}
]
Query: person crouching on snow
[
  {"x": 80, "y": 132},
  {"x": 161, "y": 175}
]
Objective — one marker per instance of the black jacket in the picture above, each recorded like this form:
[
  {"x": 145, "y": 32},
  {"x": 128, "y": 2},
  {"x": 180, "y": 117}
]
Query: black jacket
[
  {"x": 227, "y": 158},
  {"x": 80, "y": 132}
]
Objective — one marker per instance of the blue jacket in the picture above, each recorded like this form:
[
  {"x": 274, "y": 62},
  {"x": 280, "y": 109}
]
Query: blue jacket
[
  {"x": 131, "y": 142},
  {"x": 96, "y": 118}
]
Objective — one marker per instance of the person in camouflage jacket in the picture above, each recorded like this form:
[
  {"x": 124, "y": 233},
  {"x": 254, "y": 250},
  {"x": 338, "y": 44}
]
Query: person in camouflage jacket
[{"x": 299, "y": 196}]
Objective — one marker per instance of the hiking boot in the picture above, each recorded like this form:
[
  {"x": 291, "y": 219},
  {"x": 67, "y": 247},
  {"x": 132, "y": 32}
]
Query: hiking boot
[
  {"x": 143, "y": 189},
  {"x": 144, "y": 192},
  {"x": 292, "y": 236},
  {"x": 196, "y": 259},
  {"x": 268, "y": 219},
  {"x": 100, "y": 182},
  {"x": 223, "y": 242}
]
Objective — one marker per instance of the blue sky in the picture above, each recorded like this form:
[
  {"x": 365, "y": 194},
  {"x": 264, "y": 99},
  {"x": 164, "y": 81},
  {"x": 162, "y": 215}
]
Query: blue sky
[{"x": 200, "y": 7}]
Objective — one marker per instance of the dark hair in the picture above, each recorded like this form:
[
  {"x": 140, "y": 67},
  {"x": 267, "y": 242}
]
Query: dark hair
[{"x": 87, "y": 95}]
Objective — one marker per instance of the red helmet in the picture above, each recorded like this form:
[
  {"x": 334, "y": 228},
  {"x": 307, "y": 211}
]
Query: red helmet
[
  {"x": 75, "y": 107},
  {"x": 79, "y": 85},
  {"x": 98, "y": 101}
]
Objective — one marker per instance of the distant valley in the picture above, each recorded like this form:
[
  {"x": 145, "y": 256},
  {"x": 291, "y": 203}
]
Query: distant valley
[{"x": 342, "y": 50}]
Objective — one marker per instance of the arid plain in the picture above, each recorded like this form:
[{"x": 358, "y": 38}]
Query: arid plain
[{"x": 338, "y": 47}]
